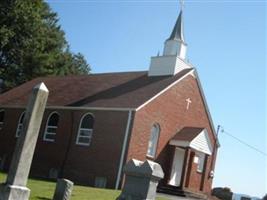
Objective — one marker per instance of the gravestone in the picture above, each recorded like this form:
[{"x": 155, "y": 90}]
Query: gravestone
[
  {"x": 53, "y": 174},
  {"x": 63, "y": 190},
  {"x": 15, "y": 186},
  {"x": 141, "y": 180}
]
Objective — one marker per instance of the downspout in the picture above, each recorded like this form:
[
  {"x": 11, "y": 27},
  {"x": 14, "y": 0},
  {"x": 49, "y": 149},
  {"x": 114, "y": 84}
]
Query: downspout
[
  {"x": 126, "y": 136},
  {"x": 62, "y": 168},
  {"x": 215, "y": 149}
]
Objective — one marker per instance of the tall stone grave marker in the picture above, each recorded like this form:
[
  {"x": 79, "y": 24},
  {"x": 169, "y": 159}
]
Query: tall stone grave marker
[
  {"x": 15, "y": 186},
  {"x": 141, "y": 180}
]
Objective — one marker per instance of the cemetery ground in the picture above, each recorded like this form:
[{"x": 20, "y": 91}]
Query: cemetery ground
[{"x": 44, "y": 190}]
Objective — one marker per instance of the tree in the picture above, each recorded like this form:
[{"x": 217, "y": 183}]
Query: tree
[
  {"x": 32, "y": 43},
  {"x": 222, "y": 193}
]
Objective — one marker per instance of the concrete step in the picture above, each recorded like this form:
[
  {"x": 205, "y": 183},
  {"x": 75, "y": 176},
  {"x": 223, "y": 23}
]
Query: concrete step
[
  {"x": 171, "y": 190},
  {"x": 195, "y": 195}
]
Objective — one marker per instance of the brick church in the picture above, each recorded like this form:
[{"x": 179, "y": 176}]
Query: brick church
[{"x": 94, "y": 124}]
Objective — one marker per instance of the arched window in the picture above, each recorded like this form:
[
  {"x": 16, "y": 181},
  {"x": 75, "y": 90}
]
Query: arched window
[
  {"x": 2, "y": 117},
  {"x": 51, "y": 127},
  {"x": 85, "y": 132},
  {"x": 153, "y": 141},
  {"x": 19, "y": 127}
]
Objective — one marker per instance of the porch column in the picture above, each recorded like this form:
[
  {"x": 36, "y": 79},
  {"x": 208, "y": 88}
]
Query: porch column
[
  {"x": 204, "y": 173},
  {"x": 185, "y": 167},
  {"x": 191, "y": 156}
]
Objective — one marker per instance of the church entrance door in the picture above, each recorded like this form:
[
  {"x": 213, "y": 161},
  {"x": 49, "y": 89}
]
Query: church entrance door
[{"x": 177, "y": 167}]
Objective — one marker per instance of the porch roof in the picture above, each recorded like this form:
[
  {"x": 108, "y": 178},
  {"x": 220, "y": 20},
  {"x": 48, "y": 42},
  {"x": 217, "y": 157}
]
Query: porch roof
[{"x": 193, "y": 137}]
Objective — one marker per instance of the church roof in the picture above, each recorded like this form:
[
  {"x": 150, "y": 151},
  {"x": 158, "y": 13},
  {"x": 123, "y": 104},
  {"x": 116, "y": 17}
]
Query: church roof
[
  {"x": 187, "y": 133},
  {"x": 114, "y": 90}
]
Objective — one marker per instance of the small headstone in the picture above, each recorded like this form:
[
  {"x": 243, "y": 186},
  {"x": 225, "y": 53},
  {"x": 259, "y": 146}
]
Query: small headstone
[
  {"x": 100, "y": 182},
  {"x": 63, "y": 190},
  {"x": 141, "y": 180},
  {"x": 53, "y": 174}
]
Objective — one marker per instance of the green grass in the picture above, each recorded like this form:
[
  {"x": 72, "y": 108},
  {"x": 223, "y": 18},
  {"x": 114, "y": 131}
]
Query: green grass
[{"x": 44, "y": 190}]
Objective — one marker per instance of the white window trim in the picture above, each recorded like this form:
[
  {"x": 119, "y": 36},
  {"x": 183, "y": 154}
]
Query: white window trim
[
  {"x": 19, "y": 127},
  {"x": 84, "y": 129},
  {"x": 156, "y": 144},
  {"x": 47, "y": 127},
  {"x": 49, "y": 133},
  {"x": 81, "y": 136}
]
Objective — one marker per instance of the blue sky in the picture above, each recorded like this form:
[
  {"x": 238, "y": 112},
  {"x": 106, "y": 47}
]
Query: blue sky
[{"x": 226, "y": 43}]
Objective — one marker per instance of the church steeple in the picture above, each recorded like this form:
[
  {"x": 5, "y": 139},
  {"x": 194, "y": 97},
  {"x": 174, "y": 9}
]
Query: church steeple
[
  {"x": 175, "y": 44},
  {"x": 178, "y": 29},
  {"x": 173, "y": 59}
]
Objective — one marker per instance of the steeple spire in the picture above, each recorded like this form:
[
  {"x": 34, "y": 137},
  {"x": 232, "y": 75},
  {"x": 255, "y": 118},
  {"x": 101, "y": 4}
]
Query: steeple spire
[
  {"x": 175, "y": 44},
  {"x": 178, "y": 30}
]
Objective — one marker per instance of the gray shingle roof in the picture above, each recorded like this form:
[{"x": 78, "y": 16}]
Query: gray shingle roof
[{"x": 117, "y": 90}]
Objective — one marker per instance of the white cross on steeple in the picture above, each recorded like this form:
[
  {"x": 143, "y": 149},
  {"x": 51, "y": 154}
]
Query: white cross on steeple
[
  {"x": 188, "y": 100},
  {"x": 181, "y": 4}
]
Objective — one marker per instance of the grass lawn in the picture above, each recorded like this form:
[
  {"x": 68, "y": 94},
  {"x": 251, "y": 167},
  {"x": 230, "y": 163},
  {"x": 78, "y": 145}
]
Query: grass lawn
[{"x": 44, "y": 190}]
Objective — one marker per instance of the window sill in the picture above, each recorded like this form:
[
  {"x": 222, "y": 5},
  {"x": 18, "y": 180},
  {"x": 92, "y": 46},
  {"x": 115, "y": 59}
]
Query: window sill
[
  {"x": 51, "y": 141},
  {"x": 83, "y": 144},
  {"x": 150, "y": 157}
]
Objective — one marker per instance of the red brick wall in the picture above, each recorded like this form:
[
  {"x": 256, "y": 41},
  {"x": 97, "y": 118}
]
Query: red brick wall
[
  {"x": 81, "y": 163},
  {"x": 52, "y": 154},
  {"x": 169, "y": 111},
  {"x": 7, "y": 134},
  {"x": 102, "y": 157},
  {"x": 195, "y": 176}
]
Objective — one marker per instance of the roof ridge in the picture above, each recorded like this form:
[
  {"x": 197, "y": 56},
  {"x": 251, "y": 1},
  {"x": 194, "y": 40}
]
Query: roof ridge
[
  {"x": 84, "y": 75},
  {"x": 119, "y": 72}
]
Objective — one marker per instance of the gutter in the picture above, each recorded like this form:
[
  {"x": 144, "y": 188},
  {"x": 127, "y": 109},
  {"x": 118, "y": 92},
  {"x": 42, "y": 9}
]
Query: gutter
[
  {"x": 77, "y": 108},
  {"x": 123, "y": 152}
]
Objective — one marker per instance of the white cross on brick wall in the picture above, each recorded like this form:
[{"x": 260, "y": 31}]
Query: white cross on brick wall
[{"x": 188, "y": 100}]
